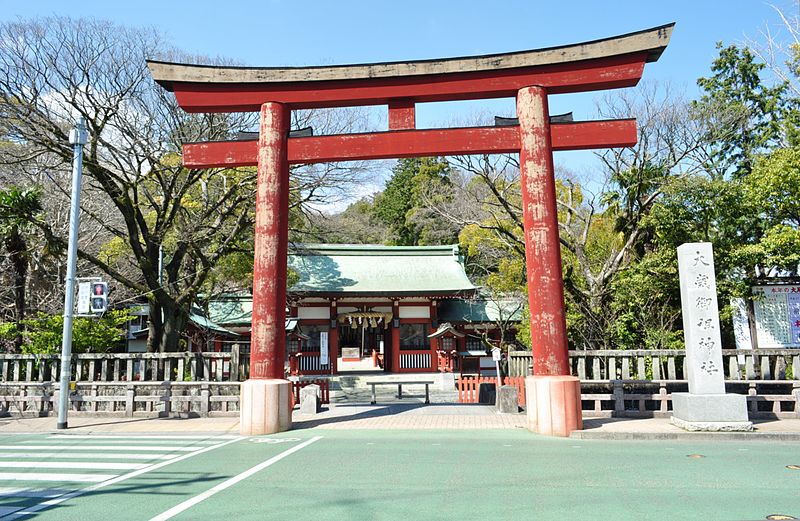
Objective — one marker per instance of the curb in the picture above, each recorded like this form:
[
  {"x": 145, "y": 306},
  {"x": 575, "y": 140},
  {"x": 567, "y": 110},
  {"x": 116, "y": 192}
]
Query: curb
[{"x": 687, "y": 436}]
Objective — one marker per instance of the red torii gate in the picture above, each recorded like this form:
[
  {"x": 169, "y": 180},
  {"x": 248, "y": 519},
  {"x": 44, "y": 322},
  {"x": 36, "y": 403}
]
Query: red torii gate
[{"x": 553, "y": 395}]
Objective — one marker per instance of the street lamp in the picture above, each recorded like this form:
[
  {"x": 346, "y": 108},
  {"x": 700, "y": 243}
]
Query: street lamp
[{"x": 77, "y": 138}]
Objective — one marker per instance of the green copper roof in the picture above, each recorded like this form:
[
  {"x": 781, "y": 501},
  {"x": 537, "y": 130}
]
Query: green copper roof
[
  {"x": 337, "y": 269},
  {"x": 231, "y": 310},
  {"x": 195, "y": 315},
  {"x": 480, "y": 310}
]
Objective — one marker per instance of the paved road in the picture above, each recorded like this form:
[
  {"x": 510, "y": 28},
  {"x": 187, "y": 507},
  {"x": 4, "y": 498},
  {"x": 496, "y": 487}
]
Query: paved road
[{"x": 325, "y": 474}]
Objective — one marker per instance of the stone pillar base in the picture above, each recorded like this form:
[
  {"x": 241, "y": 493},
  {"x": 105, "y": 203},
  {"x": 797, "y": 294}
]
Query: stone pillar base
[
  {"x": 265, "y": 407},
  {"x": 712, "y": 426},
  {"x": 710, "y": 412},
  {"x": 554, "y": 404}
]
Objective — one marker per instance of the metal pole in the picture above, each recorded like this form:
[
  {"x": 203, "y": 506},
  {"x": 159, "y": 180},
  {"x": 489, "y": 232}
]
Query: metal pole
[{"x": 77, "y": 138}]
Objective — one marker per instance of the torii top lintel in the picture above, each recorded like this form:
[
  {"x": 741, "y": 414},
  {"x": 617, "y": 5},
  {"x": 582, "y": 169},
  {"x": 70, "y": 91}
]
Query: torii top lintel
[{"x": 601, "y": 64}]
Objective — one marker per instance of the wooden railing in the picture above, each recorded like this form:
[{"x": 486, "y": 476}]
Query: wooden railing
[
  {"x": 123, "y": 398},
  {"x": 642, "y": 364},
  {"x": 416, "y": 360},
  {"x": 232, "y": 366},
  {"x": 307, "y": 363},
  {"x": 636, "y": 398},
  {"x": 469, "y": 387}
]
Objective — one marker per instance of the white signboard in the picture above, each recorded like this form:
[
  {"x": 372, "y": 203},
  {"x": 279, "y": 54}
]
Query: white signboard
[
  {"x": 777, "y": 312},
  {"x": 497, "y": 354},
  {"x": 741, "y": 326},
  {"x": 84, "y": 297},
  {"x": 323, "y": 348}
]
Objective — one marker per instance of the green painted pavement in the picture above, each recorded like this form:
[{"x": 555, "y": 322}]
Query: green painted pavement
[{"x": 396, "y": 475}]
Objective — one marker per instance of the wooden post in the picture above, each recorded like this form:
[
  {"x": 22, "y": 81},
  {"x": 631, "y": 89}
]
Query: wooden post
[
  {"x": 434, "y": 341},
  {"x": 395, "y": 337},
  {"x": 265, "y": 395},
  {"x": 542, "y": 248},
  {"x": 268, "y": 350},
  {"x": 333, "y": 340},
  {"x": 402, "y": 114},
  {"x": 553, "y": 396}
]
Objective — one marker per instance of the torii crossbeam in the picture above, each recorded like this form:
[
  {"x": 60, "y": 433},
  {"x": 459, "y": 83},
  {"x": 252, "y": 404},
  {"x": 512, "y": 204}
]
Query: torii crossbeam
[{"x": 553, "y": 395}]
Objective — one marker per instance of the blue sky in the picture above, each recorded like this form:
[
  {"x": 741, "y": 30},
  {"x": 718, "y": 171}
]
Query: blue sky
[{"x": 311, "y": 32}]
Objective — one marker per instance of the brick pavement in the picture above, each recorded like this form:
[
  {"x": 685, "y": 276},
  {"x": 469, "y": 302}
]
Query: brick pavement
[{"x": 406, "y": 415}]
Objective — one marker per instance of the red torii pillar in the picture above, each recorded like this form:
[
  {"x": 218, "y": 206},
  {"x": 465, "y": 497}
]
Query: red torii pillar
[
  {"x": 266, "y": 396},
  {"x": 553, "y": 396}
]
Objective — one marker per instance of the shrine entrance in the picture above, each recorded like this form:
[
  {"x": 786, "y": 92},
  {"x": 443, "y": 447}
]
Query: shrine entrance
[
  {"x": 364, "y": 340},
  {"x": 553, "y": 396}
]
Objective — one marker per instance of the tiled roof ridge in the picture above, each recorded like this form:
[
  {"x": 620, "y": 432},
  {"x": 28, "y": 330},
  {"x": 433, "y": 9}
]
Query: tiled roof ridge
[{"x": 373, "y": 249}]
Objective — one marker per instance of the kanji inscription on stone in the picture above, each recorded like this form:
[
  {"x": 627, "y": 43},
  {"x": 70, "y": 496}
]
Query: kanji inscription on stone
[{"x": 700, "y": 319}]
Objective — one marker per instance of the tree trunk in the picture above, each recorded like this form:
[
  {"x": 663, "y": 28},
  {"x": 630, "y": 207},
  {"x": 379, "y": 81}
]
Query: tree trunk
[
  {"x": 155, "y": 327},
  {"x": 17, "y": 248},
  {"x": 175, "y": 320}
]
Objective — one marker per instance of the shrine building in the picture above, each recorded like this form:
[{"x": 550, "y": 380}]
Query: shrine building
[{"x": 399, "y": 309}]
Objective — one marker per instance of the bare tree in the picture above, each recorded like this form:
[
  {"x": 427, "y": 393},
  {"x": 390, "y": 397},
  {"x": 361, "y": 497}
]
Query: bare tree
[
  {"x": 778, "y": 45},
  {"x": 137, "y": 193},
  {"x": 601, "y": 233}
]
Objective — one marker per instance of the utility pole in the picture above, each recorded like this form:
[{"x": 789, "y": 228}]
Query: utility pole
[{"x": 77, "y": 138}]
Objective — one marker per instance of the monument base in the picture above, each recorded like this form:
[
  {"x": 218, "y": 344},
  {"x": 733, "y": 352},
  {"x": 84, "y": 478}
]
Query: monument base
[
  {"x": 554, "y": 404},
  {"x": 265, "y": 407},
  {"x": 712, "y": 426},
  {"x": 710, "y": 412}
]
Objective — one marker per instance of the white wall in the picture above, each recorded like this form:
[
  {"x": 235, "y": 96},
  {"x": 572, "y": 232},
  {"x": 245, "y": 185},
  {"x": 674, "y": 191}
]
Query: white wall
[
  {"x": 314, "y": 313},
  {"x": 415, "y": 312}
]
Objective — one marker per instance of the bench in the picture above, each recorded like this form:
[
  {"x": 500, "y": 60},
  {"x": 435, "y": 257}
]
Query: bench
[{"x": 400, "y": 384}]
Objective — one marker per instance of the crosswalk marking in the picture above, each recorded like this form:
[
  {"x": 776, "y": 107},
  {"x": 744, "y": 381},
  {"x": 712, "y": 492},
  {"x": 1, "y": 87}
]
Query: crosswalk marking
[
  {"x": 50, "y": 476},
  {"x": 95, "y": 465},
  {"x": 84, "y": 455},
  {"x": 154, "y": 448},
  {"x": 29, "y": 510},
  {"x": 63, "y": 442},
  {"x": 60, "y": 467},
  {"x": 147, "y": 437},
  {"x": 35, "y": 493}
]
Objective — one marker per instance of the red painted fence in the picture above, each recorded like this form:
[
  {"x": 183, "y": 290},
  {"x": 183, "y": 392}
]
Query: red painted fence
[
  {"x": 468, "y": 387},
  {"x": 324, "y": 387}
]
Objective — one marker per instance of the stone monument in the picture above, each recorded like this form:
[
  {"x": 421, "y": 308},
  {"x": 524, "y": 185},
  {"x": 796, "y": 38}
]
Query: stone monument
[{"x": 705, "y": 407}]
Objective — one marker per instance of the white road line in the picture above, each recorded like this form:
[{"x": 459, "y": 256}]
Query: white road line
[
  {"x": 34, "y": 492},
  {"x": 142, "y": 437},
  {"x": 114, "y": 481},
  {"x": 66, "y": 443},
  {"x": 84, "y": 455},
  {"x": 96, "y": 465},
  {"x": 8, "y": 510},
  {"x": 172, "y": 512},
  {"x": 154, "y": 448},
  {"x": 50, "y": 476}
]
